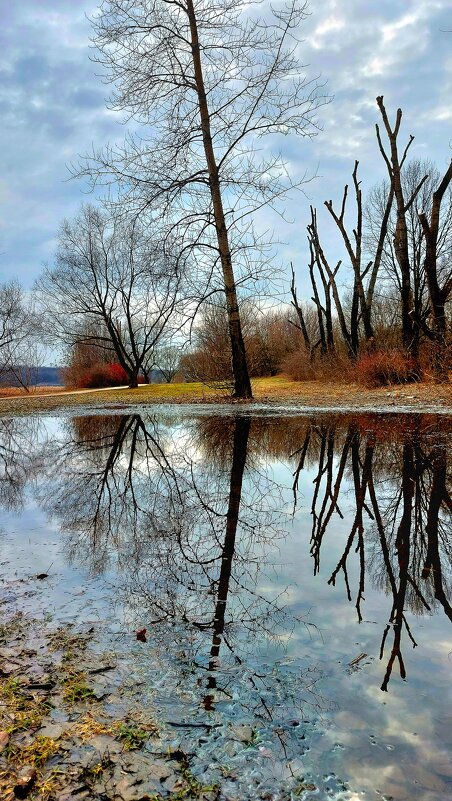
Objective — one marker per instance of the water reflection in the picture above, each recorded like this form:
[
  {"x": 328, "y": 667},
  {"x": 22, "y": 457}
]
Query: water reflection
[
  {"x": 189, "y": 515},
  {"x": 162, "y": 501},
  {"x": 151, "y": 499},
  {"x": 399, "y": 484},
  {"x": 20, "y": 459}
]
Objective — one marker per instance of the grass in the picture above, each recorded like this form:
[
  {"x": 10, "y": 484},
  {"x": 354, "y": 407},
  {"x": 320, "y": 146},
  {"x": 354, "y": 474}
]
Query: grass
[
  {"x": 20, "y": 711},
  {"x": 131, "y": 734},
  {"x": 75, "y": 688},
  {"x": 275, "y": 389}
]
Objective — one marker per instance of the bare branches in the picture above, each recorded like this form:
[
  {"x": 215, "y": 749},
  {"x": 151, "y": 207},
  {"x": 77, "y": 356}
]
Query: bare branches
[
  {"x": 111, "y": 285},
  {"x": 208, "y": 81},
  {"x": 20, "y": 350},
  {"x": 355, "y": 254},
  {"x": 299, "y": 312},
  {"x": 410, "y": 330}
]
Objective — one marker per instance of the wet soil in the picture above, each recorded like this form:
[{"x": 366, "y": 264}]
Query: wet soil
[{"x": 71, "y": 722}]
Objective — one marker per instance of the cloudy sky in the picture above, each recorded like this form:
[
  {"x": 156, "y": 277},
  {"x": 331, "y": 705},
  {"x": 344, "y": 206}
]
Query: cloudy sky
[{"x": 53, "y": 108}]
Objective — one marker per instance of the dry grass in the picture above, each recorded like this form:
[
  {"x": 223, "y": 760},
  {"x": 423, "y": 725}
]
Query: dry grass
[
  {"x": 277, "y": 389},
  {"x": 19, "y": 392}
]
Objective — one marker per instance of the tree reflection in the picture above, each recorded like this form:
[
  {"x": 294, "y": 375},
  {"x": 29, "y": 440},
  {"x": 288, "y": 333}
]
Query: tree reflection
[
  {"x": 399, "y": 486},
  {"x": 20, "y": 459},
  {"x": 190, "y": 520},
  {"x": 188, "y": 514}
]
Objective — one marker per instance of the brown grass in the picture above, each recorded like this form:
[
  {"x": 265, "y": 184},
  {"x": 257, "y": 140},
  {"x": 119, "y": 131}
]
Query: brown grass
[
  {"x": 19, "y": 392},
  {"x": 274, "y": 390}
]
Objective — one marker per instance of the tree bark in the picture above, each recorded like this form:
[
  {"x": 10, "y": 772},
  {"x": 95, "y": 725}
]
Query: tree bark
[
  {"x": 242, "y": 384},
  {"x": 410, "y": 341},
  {"x": 438, "y": 296}
]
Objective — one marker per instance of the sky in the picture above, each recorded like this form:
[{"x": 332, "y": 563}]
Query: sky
[{"x": 53, "y": 110}]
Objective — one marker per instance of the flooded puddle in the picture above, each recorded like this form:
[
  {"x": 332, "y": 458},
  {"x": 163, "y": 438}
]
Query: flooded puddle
[{"x": 292, "y": 573}]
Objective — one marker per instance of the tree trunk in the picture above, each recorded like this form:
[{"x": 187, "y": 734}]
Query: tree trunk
[
  {"x": 242, "y": 384},
  {"x": 239, "y": 453},
  {"x": 133, "y": 379},
  {"x": 401, "y": 233},
  {"x": 438, "y": 296}
]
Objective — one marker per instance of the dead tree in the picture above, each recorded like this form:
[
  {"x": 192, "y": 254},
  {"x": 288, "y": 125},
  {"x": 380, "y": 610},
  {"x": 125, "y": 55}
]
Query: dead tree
[
  {"x": 394, "y": 164},
  {"x": 330, "y": 286},
  {"x": 301, "y": 324},
  {"x": 360, "y": 306},
  {"x": 438, "y": 295}
]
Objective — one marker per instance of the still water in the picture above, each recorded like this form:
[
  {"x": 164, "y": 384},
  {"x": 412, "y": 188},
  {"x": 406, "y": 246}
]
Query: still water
[{"x": 293, "y": 574}]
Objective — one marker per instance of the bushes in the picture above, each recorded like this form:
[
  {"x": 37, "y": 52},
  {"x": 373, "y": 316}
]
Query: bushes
[
  {"x": 376, "y": 369},
  {"x": 298, "y": 367},
  {"x": 102, "y": 375},
  {"x": 332, "y": 367},
  {"x": 385, "y": 367}
]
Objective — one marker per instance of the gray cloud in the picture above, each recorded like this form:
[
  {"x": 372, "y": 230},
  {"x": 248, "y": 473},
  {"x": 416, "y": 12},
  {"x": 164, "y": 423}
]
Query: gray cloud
[{"x": 53, "y": 109}]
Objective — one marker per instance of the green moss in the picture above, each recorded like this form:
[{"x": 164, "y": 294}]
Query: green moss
[{"x": 20, "y": 711}]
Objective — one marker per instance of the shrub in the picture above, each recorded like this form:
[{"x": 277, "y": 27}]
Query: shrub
[
  {"x": 102, "y": 375},
  {"x": 334, "y": 367},
  {"x": 385, "y": 367},
  {"x": 298, "y": 367}
]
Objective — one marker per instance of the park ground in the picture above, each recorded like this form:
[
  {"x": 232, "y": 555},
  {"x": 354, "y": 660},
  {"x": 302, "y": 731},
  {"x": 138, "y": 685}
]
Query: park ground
[{"x": 277, "y": 390}]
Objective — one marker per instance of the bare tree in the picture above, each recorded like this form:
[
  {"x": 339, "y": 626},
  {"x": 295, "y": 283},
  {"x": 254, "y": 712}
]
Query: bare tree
[
  {"x": 394, "y": 163},
  {"x": 208, "y": 82},
  {"x": 110, "y": 286},
  {"x": 359, "y": 314},
  {"x": 411, "y": 176},
  {"x": 438, "y": 294},
  {"x": 167, "y": 359},
  {"x": 392, "y": 236},
  {"x": 20, "y": 352}
]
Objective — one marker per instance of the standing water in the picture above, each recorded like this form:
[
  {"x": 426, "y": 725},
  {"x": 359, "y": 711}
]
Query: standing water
[{"x": 293, "y": 575}]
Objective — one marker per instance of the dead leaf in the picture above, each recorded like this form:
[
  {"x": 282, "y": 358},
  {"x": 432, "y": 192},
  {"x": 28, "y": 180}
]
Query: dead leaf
[
  {"x": 25, "y": 781},
  {"x": 141, "y": 635}
]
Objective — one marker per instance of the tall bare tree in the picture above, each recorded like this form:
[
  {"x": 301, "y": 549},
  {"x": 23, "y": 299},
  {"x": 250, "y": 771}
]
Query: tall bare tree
[
  {"x": 394, "y": 163},
  {"x": 207, "y": 81},
  {"x": 439, "y": 290}
]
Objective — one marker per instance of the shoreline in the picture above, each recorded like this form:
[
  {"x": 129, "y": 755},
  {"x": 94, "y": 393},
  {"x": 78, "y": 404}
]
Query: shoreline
[{"x": 268, "y": 392}]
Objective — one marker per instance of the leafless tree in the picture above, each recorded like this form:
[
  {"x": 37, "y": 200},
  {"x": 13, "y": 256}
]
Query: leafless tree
[
  {"x": 110, "y": 286},
  {"x": 423, "y": 306},
  {"x": 207, "y": 82},
  {"x": 438, "y": 290},
  {"x": 403, "y": 232},
  {"x": 20, "y": 351},
  {"x": 403, "y": 202},
  {"x": 167, "y": 359}
]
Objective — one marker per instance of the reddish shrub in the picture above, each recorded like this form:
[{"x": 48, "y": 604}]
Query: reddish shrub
[
  {"x": 297, "y": 366},
  {"x": 385, "y": 367},
  {"x": 331, "y": 367},
  {"x": 102, "y": 375},
  {"x": 118, "y": 374}
]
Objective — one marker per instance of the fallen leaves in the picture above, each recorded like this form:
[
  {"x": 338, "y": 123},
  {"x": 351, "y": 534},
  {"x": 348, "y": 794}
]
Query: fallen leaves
[
  {"x": 141, "y": 635},
  {"x": 4, "y": 739}
]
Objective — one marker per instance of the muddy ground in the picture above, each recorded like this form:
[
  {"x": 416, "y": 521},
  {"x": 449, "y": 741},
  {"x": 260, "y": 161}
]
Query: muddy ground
[
  {"x": 72, "y": 722},
  {"x": 424, "y": 397}
]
